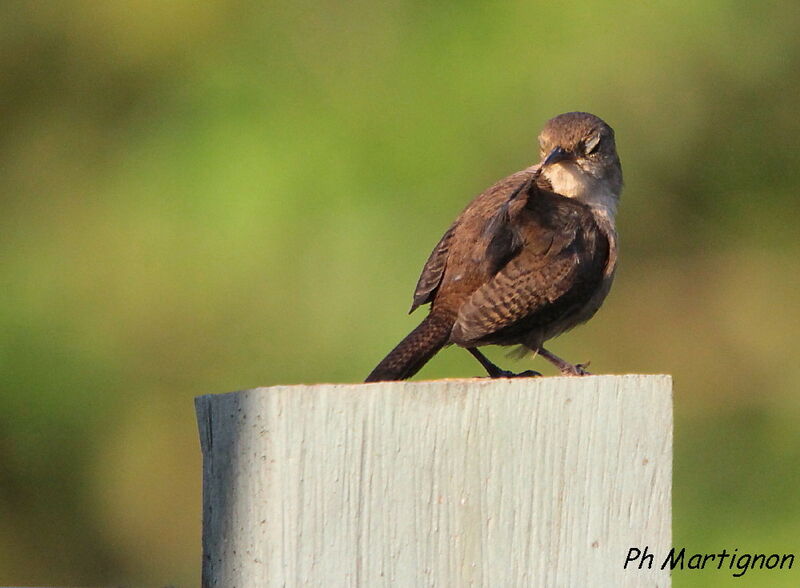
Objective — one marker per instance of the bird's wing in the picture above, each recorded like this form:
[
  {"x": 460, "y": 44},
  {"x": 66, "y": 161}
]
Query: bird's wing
[
  {"x": 544, "y": 257},
  {"x": 433, "y": 271}
]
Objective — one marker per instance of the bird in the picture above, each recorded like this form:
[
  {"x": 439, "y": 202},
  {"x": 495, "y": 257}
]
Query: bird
[{"x": 528, "y": 259}]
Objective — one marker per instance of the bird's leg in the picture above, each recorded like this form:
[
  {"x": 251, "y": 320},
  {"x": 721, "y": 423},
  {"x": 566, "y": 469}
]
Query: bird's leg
[
  {"x": 566, "y": 368},
  {"x": 496, "y": 372}
]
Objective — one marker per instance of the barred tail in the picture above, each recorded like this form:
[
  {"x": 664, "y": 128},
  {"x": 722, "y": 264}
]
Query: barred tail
[{"x": 414, "y": 351}]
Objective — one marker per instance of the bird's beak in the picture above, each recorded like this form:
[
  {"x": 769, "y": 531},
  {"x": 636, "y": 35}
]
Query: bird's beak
[{"x": 556, "y": 155}]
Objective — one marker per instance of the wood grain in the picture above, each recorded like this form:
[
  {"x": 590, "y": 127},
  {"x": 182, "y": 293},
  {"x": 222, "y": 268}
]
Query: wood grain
[{"x": 526, "y": 482}]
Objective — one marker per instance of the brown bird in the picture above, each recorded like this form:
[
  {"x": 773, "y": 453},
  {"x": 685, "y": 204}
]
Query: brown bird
[{"x": 528, "y": 259}]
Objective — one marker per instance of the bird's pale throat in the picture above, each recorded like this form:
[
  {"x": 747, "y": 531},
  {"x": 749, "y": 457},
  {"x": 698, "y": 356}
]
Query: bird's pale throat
[{"x": 569, "y": 180}]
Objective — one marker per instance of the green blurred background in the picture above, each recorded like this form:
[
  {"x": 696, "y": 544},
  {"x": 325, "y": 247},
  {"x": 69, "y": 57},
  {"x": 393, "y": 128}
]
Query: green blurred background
[{"x": 204, "y": 197}]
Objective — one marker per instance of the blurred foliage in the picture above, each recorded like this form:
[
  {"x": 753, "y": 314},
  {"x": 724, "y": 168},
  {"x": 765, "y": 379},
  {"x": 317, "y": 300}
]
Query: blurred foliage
[{"x": 202, "y": 197}]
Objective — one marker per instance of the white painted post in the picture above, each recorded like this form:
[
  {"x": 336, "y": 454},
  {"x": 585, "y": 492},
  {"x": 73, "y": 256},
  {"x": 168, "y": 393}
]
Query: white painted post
[{"x": 542, "y": 482}]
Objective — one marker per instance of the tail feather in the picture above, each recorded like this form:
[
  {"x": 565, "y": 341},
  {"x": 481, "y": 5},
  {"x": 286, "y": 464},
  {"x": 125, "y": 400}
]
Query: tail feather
[{"x": 413, "y": 352}]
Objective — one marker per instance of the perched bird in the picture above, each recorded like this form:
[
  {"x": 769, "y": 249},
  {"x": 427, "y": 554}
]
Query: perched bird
[{"x": 528, "y": 259}]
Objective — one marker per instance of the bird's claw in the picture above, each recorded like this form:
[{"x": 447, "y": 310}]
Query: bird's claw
[
  {"x": 508, "y": 374},
  {"x": 579, "y": 369}
]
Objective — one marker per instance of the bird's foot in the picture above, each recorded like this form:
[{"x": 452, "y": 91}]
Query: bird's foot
[
  {"x": 507, "y": 374},
  {"x": 579, "y": 369},
  {"x": 566, "y": 368},
  {"x": 494, "y": 371}
]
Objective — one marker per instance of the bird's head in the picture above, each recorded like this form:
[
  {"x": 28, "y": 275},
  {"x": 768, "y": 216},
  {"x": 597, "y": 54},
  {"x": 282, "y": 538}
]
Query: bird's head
[{"x": 579, "y": 159}]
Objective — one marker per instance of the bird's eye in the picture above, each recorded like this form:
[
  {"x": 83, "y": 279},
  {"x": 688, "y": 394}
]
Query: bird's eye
[{"x": 591, "y": 144}]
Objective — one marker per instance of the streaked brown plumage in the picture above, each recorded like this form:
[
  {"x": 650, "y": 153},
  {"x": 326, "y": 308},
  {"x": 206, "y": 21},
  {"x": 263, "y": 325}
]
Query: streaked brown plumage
[{"x": 528, "y": 259}]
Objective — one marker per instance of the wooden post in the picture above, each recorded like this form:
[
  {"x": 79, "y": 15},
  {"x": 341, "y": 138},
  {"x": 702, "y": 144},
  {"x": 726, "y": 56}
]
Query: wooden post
[{"x": 523, "y": 482}]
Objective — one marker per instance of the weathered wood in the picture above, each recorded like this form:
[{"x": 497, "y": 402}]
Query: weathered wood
[{"x": 526, "y": 482}]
